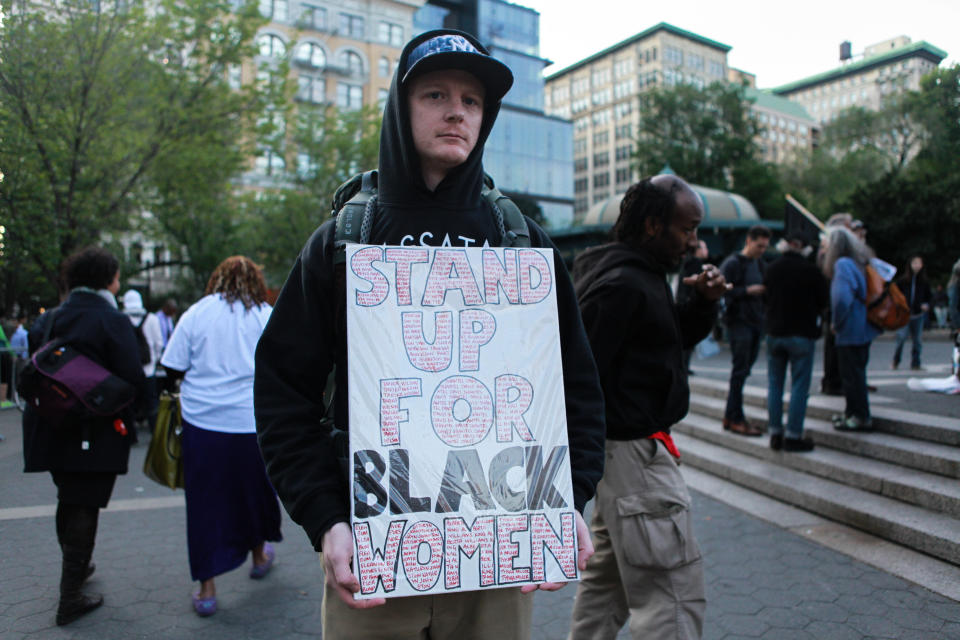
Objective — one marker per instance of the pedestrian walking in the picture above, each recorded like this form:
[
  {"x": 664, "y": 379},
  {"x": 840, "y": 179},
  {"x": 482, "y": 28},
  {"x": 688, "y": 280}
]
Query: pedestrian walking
[
  {"x": 84, "y": 454},
  {"x": 232, "y": 510},
  {"x": 443, "y": 101},
  {"x": 797, "y": 296},
  {"x": 147, "y": 327},
  {"x": 844, "y": 262},
  {"x": 647, "y": 567},
  {"x": 744, "y": 317},
  {"x": 913, "y": 283}
]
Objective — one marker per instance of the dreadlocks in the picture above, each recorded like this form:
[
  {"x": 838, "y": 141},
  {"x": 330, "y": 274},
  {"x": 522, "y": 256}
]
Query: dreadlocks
[{"x": 238, "y": 278}]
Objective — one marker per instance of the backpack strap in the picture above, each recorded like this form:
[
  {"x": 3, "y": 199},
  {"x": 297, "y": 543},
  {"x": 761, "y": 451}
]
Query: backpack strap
[
  {"x": 513, "y": 225},
  {"x": 354, "y": 204}
]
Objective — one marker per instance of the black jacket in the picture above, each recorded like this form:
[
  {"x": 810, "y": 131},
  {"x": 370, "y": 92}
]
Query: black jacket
[
  {"x": 638, "y": 335},
  {"x": 797, "y": 295},
  {"x": 106, "y": 336},
  {"x": 741, "y": 272},
  {"x": 305, "y": 338},
  {"x": 916, "y": 290}
]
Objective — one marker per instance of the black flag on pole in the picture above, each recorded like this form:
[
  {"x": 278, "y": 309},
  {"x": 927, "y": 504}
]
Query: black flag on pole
[{"x": 798, "y": 221}]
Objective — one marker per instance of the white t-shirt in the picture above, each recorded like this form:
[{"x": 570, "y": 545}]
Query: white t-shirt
[{"x": 214, "y": 342}]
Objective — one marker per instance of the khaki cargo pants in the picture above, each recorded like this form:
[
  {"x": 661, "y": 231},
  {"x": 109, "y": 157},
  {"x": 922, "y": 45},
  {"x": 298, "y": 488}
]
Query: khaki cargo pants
[
  {"x": 494, "y": 614},
  {"x": 647, "y": 565}
]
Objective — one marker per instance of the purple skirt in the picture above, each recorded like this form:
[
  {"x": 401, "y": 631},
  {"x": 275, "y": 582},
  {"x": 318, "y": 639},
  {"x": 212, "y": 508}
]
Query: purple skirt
[{"x": 231, "y": 505}]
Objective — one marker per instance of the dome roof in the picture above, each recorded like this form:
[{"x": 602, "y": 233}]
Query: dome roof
[{"x": 720, "y": 209}]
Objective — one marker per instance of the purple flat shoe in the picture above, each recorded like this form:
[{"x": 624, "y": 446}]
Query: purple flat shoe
[
  {"x": 258, "y": 571},
  {"x": 204, "y": 606}
]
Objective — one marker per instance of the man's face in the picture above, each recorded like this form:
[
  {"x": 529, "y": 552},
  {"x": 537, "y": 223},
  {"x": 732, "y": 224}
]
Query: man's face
[
  {"x": 446, "y": 111},
  {"x": 756, "y": 247},
  {"x": 672, "y": 242}
]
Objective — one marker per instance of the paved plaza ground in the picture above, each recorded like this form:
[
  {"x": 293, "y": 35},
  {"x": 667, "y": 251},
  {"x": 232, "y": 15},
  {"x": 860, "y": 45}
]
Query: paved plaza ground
[{"x": 763, "y": 580}]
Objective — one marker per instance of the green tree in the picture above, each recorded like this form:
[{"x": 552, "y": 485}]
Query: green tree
[
  {"x": 328, "y": 146},
  {"x": 93, "y": 101},
  {"x": 917, "y": 210},
  {"x": 708, "y": 137}
]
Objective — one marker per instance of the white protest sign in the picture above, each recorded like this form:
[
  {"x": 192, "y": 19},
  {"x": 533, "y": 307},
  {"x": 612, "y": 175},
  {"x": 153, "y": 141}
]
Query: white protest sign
[{"x": 459, "y": 463}]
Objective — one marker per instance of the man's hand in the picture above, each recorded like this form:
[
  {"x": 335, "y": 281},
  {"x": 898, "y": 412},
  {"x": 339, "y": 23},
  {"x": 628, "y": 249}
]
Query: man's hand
[
  {"x": 337, "y": 555},
  {"x": 756, "y": 290},
  {"x": 585, "y": 550},
  {"x": 709, "y": 283}
]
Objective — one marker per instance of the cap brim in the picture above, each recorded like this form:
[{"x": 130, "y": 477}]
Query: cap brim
[{"x": 495, "y": 76}]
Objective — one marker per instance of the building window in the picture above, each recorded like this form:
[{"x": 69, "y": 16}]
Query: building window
[
  {"x": 382, "y": 95},
  {"x": 601, "y": 138},
  {"x": 310, "y": 54},
  {"x": 580, "y": 185},
  {"x": 672, "y": 55},
  {"x": 601, "y": 179},
  {"x": 234, "y": 76},
  {"x": 311, "y": 89},
  {"x": 271, "y": 46},
  {"x": 391, "y": 34},
  {"x": 306, "y": 166},
  {"x": 601, "y": 159},
  {"x": 313, "y": 17},
  {"x": 351, "y": 26},
  {"x": 269, "y": 163},
  {"x": 349, "y": 96},
  {"x": 623, "y": 152},
  {"x": 579, "y": 146},
  {"x": 274, "y": 9},
  {"x": 580, "y": 164},
  {"x": 623, "y": 131},
  {"x": 383, "y": 67},
  {"x": 352, "y": 62},
  {"x": 623, "y": 175}
]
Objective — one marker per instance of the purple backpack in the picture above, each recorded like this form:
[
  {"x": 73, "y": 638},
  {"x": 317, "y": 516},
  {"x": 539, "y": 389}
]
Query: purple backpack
[{"x": 59, "y": 383}]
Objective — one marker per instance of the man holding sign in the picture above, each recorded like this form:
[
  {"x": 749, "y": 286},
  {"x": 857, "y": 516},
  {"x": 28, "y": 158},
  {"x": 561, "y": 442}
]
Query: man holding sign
[{"x": 446, "y": 383}]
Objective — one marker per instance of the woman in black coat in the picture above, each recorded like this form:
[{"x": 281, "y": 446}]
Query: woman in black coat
[{"x": 84, "y": 454}]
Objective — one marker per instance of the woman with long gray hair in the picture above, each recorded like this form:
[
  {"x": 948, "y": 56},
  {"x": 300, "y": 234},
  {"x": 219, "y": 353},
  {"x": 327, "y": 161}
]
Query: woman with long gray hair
[{"x": 844, "y": 262}]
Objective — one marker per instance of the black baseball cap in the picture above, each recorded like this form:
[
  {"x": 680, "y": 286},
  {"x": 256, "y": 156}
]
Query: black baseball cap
[{"x": 451, "y": 49}]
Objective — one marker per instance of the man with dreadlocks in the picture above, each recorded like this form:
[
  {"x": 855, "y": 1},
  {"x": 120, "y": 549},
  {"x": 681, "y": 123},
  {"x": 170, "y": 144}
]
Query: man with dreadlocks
[
  {"x": 647, "y": 566},
  {"x": 442, "y": 104},
  {"x": 232, "y": 510}
]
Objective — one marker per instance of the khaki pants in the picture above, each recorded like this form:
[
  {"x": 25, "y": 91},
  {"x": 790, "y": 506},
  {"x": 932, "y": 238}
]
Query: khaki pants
[
  {"x": 647, "y": 565},
  {"x": 497, "y": 614}
]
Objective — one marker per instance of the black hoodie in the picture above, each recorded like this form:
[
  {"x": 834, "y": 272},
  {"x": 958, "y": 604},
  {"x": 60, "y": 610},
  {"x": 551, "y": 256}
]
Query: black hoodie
[
  {"x": 304, "y": 340},
  {"x": 638, "y": 335}
]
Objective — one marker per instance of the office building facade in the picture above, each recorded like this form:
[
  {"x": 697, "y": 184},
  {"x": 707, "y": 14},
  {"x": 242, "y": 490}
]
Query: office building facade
[
  {"x": 600, "y": 94},
  {"x": 884, "y": 69}
]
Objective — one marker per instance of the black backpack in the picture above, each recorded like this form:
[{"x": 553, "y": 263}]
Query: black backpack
[
  {"x": 355, "y": 202},
  {"x": 145, "y": 355}
]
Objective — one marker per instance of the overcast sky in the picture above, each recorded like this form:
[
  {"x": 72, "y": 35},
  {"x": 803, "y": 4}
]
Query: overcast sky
[{"x": 779, "y": 42}]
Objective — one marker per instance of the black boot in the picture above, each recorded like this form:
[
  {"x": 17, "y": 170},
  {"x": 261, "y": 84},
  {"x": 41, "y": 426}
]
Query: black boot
[{"x": 77, "y": 529}]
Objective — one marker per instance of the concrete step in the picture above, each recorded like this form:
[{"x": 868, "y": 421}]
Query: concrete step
[
  {"x": 936, "y": 534},
  {"x": 911, "y": 424},
  {"x": 912, "y": 486},
  {"x": 930, "y": 457}
]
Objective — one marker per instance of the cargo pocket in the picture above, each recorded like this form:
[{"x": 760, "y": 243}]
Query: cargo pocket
[{"x": 656, "y": 531}]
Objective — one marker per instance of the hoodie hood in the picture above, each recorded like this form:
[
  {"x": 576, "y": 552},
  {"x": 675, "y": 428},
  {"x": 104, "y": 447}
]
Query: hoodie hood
[
  {"x": 400, "y": 180},
  {"x": 595, "y": 263},
  {"x": 132, "y": 301}
]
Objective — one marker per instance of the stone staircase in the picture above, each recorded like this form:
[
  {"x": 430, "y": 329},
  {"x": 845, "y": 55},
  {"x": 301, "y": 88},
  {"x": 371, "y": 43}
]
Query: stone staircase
[{"x": 901, "y": 483}]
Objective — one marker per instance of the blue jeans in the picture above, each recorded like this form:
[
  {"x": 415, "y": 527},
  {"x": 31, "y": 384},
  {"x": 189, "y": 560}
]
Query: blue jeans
[
  {"x": 798, "y": 351},
  {"x": 914, "y": 329},
  {"x": 744, "y": 346}
]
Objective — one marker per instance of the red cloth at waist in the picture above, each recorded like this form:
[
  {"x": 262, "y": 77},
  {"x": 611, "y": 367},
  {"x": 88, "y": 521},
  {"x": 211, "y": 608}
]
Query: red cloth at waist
[{"x": 667, "y": 440}]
